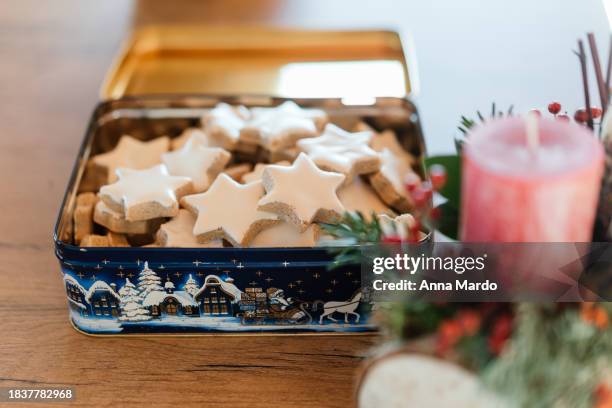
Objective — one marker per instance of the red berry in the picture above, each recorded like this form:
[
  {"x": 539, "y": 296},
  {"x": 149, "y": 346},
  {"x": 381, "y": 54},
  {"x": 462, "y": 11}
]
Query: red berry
[
  {"x": 421, "y": 195},
  {"x": 581, "y": 116},
  {"x": 535, "y": 112},
  {"x": 435, "y": 213},
  {"x": 596, "y": 112},
  {"x": 411, "y": 182},
  {"x": 391, "y": 239},
  {"x": 437, "y": 175},
  {"x": 563, "y": 117},
  {"x": 470, "y": 321},
  {"x": 500, "y": 333},
  {"x": 554, "y": 107}
]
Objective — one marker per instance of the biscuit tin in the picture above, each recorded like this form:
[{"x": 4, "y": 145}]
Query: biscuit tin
[{"x": 164, "y": 80}]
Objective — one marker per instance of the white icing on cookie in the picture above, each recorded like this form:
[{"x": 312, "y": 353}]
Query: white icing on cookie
[
  {"x": 359, "y": 196},
  {"x": 145, "y": 194},
  {"x": 302, "y": 193},
  {"x": 131, "y": 153},
  {"x": 286, "y": 235},
  {"x": 258, "y": 171},
  {"x": 341, "y": 151},
  {"x": 178, "y": 233},
  {"x": 229, "y": 210},
  {"x": 280, "y": 127},
  {"x": 224, "y": 123},
  {"x": 202, "y": 164},
  {"x": 198, "y": 135},
  {"x": 395, "y": 169}
]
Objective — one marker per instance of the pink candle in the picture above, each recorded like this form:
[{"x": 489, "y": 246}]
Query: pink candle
[{"x": 515, "y": 190}]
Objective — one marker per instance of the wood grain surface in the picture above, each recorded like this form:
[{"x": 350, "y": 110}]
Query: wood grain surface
[{"x": 53, "y": 56}]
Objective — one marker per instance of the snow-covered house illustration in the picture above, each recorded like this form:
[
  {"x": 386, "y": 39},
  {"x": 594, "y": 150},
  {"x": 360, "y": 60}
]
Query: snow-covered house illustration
[
  {"x": 76, "y": 296},
  {"x": 103, "y": 300},
  {"x": 170, "y": 302},
  {"x": 217, "y": 296}
]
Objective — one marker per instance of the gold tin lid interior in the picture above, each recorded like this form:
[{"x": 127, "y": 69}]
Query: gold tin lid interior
[{"x": 353, "y": 65}]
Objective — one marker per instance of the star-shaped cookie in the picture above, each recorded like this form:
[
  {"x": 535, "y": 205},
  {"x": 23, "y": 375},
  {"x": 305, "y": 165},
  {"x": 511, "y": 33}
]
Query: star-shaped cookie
[
  {"x": 302, "y": 193},
  {"x": 116, "y": 222},
  {"x": 285, "y": 235},
  {"x": 146, "y": 194},
  {"x": 178, "y": 233},
  {"x": 201, "y": 164},
  {"x": 224, "y": 123},
  {"x": 280, "y": 127},
  {"x": 359, "y": 196},
  {"x": 199, "y": 137},
  {"x": 259, "y": 169},
  {"x": 389, "y": 181},
  {"x": 131, "y": 153},
  {"x": 229, "y": 210},
  {"x": 341, "y": 151}
]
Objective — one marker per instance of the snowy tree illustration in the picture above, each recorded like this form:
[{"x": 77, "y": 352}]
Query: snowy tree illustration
[
  {"x": 131, "y": 304},
  {"x": 191, "y": 286},
  {"x": 148, "y": 281}
]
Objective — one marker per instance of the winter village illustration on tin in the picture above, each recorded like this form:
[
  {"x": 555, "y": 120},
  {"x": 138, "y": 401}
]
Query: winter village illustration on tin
[{"x": 148, "y": 300}]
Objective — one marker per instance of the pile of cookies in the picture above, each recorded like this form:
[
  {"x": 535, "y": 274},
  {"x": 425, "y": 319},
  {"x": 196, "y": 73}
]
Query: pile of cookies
[{"x": 212, "y": 187}]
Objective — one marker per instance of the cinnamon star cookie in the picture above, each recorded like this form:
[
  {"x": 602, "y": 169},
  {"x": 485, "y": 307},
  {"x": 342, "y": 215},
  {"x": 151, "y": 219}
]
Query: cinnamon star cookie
[
  {"x": 389, "y": 181},
  {"x": 359, "y": 196},
  {"x": 341, "y": 151},
  {"x": 131, "y": 153},
  {"x": 178, "y": 233},
  {"x": 302, "y": 193},
  {"x": 146, "y": 194},
  {"x": 280, "y": 127},
  {"x": 229, "y": 210},
  {"x": 199, "y": 136},
  {"x": 224, "y": 123},
  {"x": 202, "y": 164}
]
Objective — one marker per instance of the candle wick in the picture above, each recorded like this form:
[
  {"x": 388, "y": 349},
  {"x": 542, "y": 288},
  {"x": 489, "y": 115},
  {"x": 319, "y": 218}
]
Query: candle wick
[{"x": 533, "y": 132}]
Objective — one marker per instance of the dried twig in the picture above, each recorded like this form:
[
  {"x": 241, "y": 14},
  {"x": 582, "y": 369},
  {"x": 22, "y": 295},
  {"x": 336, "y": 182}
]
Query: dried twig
[
  {"x": 608, "y": 72},
  {"x": 585, "y": 82},
  {"x": 601, "y": 86}
]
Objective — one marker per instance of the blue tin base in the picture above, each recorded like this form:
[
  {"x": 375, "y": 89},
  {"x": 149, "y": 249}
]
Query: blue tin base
[{"x": 113, "y": 295}]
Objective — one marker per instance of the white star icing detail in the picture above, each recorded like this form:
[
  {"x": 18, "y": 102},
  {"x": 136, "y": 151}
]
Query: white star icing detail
[
  {"x": 224, "y": 123},
  {"x": 132, "y": 153},
  {"x": 280, "y": 127},
  {"x": 302, "y": 193},
  {"x": 341, "y": 151},
  {"x": 145, "y": 194},
  {"x": 202, "y": 164},
  {"x": 229, "y": 210},
  {"x": 178, "y": 233}
]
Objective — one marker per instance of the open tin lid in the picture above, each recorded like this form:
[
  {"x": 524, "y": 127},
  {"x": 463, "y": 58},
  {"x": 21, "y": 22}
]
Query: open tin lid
[{"x": 357, "y": 66}]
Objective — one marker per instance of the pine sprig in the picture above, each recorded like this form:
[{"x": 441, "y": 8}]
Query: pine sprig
[
  {"x": 352, "y": 230},
  {"x": 355, "y": 228},
  {"x": 466, "y": 123}
]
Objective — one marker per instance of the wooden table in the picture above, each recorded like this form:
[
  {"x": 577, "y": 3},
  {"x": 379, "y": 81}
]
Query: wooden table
[{"x": 53, "y": 56}]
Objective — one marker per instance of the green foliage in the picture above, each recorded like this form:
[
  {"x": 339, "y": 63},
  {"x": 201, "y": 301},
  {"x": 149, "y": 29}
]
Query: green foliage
[
  {"x": 466, "y": 123},
  {"x": 555, "y": 358},
  {"x": 413, "y": 318},
  {"x": 352, "y": 230}
]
